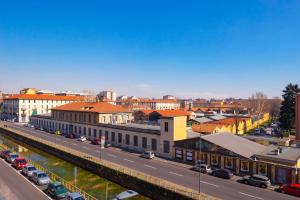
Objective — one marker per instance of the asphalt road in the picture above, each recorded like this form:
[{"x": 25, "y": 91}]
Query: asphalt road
[
  {"x": 14, "y": 186},
  {"x": 224, "y": 189}
]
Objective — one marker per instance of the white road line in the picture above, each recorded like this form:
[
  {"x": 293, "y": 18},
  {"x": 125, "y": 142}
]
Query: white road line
[
  {"x": 112, "y": 155},
  {"x": 29, "y": 182},
  {"x": 128, "y": 160},
  {"x": 209, "y": 183},
  {"x": 149, "y": 166},
  {"x": 249, "y": 195},
  {"x": 175, "y": 174},
  {"x": 86, "y": 148}
]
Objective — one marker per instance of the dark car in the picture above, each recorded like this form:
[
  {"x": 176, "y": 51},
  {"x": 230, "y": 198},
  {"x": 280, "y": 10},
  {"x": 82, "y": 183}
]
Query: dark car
[
  {"x": 57, "y": 190},
  {"x": 70, "y": 135},
  {"x": 96, "y": 141},
  {"x": 5, "y": 153},
  {"x": 292, "y": 189},
  {"x": 222, "y": 173},
  {"x": 257, "y": 180}
]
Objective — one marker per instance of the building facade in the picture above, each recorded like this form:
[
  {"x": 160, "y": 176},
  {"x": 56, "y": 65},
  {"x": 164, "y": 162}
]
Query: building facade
[
  {"x": 93, "y": 120},
  {"x": 150, "y": 104},
  {"x": 107, "y": 95},
  {"x": 20, "y": 107}
]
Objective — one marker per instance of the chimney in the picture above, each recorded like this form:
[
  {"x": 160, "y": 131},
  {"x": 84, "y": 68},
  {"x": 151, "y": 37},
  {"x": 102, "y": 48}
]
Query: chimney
[{"x": 277, "y": 151}]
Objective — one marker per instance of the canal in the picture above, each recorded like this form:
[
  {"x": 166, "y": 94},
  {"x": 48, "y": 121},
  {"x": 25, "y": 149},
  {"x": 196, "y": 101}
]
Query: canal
[{"x": 85, "y": 180}]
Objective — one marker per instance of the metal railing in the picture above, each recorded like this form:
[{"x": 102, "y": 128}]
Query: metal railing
[{"x": 134, "y": 173}]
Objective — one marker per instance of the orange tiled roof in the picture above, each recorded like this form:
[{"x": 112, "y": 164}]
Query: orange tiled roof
[
  {"x": 228, "y": 121},
  {"x": 96, "y": 107},
  {"x": 172, "y": 113},
  {"x": 205, "y": 128},
  {"x": 44, "y": 97}
]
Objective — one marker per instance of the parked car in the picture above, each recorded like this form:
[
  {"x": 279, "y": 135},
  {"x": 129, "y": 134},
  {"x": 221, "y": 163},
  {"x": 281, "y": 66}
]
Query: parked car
[
  {"x": 222, "y": 173},
  {"x": 28, "y": 170},
  {"x": 257, "y": 180},
  {"x": 96, "y": 141},
  {"x": 19, "y": 163},
  {"x": 292, "y": 189},
  {"x": 41, "y": 129},
  {"x": 148, "y": 155},
  {"x": 31, "y": 126},
  {"x": 126, "y": 194},
  {"x": 40, "y": 178},
  {"x": 82, "y": 138},
  {"x": 107, "y": 144},
  {"x": 5, "y": 153},
  {"x": 11, "y": 157},
  {"x": 203, "y": 168},
  {"x": 57, "y": 133},
  {"x": 75, "y": 196},
  {"x": 57, "y": 190}
]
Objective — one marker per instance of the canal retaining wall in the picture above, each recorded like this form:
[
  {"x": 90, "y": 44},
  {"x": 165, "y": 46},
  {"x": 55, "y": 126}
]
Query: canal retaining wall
[{"x": 150, "y": 186}]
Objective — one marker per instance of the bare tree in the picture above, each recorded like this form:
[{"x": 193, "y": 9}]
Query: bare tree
[{"x": 257, "y": 103}]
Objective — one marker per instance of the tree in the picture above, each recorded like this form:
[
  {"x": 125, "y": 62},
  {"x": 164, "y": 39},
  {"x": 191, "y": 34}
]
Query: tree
[
  {"x": 287, "y": 109},
  {"x": 257, "y": 103},
  {"x": 273, "y": 107}
]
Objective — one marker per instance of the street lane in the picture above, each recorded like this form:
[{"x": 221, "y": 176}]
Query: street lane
[
  {"x": 225, "y": 189},
  {"x": 14, "y": 186}
]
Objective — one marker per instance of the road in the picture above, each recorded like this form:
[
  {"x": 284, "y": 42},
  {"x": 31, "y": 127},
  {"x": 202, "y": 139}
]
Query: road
[
  {"x": 14, "y": 186},
  {"x": 224, "y": 189}
]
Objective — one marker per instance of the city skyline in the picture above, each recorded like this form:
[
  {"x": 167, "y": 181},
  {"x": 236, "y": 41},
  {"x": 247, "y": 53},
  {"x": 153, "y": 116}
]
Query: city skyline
[{"x": 209, "y": 50}]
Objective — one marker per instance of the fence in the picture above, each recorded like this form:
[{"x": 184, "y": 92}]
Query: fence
[
  {"x": 142, "y": 176},
  {"x": 71, "y": 187}
]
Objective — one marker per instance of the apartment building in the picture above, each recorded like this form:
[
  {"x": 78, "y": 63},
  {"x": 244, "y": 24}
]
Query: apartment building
[
  {"x": 150, "y": 104},
  {"x": 107, "y": 95},
  {"x": 21, "y": 106},
  {"x": 95, "y": 120}
]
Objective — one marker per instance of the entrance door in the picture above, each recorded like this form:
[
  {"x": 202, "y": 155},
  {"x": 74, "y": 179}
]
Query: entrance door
[{"x": 281, "y": 175}]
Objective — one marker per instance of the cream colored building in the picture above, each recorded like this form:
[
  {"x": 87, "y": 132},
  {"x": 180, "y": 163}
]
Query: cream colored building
[
  {"x": 20, "y": 107},
  {"x": 88, "y": 119}
]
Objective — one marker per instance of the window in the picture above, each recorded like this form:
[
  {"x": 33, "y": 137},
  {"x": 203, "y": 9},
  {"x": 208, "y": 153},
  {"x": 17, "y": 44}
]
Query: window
[
  {"x": 119, "y": 137},
  {"x": 84, "y": 131},
  {"x": 106, "y": 135},
  {"x": 95, "y": 133},
  {"x": 166, "y": 146},
  {"x": 75, "y": 129},
  {"x": 135, "y": 141},
  {"x": 127, "y": 139},
  {"x": 153, "y": 144},
  {"x": 144, "y": 142},
  {"x": 90, "y": 132},
  {"x": 103, "y": 119},
  {"x": 113, "y": 136},
  {"x": 244, "y": 166},
  {"x": 100, "y": 133},
  {"x": 214, "y": 160},
  {"x": 228, "y": 163},
  {"x": 90, "y": 119},
  {"x": 166, "y": 126},
  {"x": 80, "y": 130}
]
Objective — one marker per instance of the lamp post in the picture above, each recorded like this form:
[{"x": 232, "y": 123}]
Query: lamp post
[{"x": 199, "y": 159}]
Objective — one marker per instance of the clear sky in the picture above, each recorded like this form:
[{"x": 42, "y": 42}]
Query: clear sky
[{"x": 212, "y": 48}]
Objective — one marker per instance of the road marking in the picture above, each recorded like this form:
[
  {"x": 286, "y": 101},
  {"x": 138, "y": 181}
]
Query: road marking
[
  {"x": 29, "y": 181},
  {"x": 175, "y": 174},
  {"x": 209, "y": 183},
  {"x": 249, "y": 195},
  {"x": 112, "y": 155},
  {"x": 128, "y": 160},
  {"x": 86, "y": 148},
  {"x": 149, "y": 166}
]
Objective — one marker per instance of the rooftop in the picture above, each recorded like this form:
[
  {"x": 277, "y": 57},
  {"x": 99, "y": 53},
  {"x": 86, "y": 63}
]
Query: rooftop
[
  {"x": 288, "y": 154},
  {"x": 44, "y": 97},
  {"x": 95, "y": 107},
  {"x": 236, "y": 144}
]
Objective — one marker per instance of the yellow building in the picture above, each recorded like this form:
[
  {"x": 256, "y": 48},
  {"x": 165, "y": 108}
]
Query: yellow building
[{"x": 28, "y": 91}]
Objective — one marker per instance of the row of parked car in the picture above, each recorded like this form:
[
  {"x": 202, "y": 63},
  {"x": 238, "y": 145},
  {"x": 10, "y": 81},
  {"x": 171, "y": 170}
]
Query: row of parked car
[
  {"x": 54, "y": 189},
  {"x": 254, "y": 180}
]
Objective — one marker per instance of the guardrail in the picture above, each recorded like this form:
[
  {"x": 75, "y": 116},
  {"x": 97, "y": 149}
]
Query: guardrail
[
  {"x": 71, "y": 187},
  {"x": 140, "y": 175}
]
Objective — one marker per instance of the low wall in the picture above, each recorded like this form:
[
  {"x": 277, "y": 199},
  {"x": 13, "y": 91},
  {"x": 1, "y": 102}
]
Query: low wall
[{"x": 152, "y": 187}]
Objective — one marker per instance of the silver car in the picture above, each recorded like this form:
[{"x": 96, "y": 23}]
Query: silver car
[
  {"x": 28, "y": 170},
  {"x": 11, "y": 157},
  {"x": 40, "y": 178},
  {"x": 203, "y": 168}
]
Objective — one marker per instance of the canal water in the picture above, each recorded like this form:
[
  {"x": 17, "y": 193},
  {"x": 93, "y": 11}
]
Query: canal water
[{"x": 87, "y": 181}]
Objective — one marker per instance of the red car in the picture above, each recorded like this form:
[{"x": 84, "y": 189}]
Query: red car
[
  {"x": 96, "y": 141},
  {"x": 19, "y": 163},
  {"x": 293, "y": 189},
  {"x": 5, "y": 153}
]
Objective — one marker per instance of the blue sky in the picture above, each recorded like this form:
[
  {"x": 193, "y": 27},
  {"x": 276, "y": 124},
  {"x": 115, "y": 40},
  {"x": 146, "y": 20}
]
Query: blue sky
[{"x": 151, "y": 47}]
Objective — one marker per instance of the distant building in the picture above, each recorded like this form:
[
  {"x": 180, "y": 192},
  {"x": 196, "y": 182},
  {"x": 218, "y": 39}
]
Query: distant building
[
  {"x": 298, "y": 117},
  {"x": 45, "y": 92},
  {"x": 107, "y": 95},
  {"x": 186, "y": 104},
  {"x": 169, "y": 97},
  {"x": 122, "y": 97},
  {"x": 28, "y": 91},
  {"x": 20, "y": 107}
]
